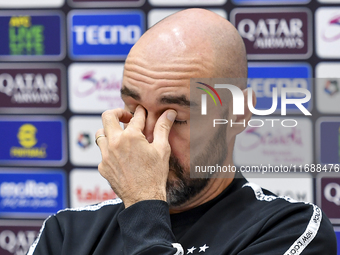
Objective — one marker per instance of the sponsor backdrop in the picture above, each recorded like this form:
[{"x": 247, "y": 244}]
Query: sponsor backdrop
[{"x": 61, "y": 64}]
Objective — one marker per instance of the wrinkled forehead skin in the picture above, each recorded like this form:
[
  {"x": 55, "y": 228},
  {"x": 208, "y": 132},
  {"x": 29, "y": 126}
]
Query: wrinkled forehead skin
[{"x": 194, "y": 43}]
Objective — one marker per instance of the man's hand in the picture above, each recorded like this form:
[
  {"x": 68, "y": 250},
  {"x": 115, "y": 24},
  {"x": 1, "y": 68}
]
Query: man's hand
[{"x": 136, "y": 169}]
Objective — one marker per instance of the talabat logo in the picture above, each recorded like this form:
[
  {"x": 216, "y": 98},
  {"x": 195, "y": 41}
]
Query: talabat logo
[
  {"x": 108, "y": 35},
  {"x": 31, "y": 36},
  {"x": 270, "y": 33},
  {"x": 33, "y": 141},
  {"x": 88, "y": 187}
]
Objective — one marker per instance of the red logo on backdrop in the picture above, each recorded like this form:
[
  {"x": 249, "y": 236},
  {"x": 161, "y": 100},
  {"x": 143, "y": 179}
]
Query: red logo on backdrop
[
  {"x": 16, "y": 238},
  {"x": 329, "y": 197},
  {"x": 269, "y": 33},
  {"x": 94, "y": 195},
  {"x": 34, "y": 89}
]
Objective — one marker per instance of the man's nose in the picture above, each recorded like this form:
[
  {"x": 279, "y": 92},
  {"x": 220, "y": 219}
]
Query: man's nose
[{"x": 150, "y": 123}]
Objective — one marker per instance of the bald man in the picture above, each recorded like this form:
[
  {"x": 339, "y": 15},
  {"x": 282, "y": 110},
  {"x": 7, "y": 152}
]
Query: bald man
[{"x": 162, "y": 210}]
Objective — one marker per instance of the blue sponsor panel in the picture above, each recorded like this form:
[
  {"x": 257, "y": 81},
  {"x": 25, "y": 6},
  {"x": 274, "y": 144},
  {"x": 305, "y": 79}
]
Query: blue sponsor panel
[
  {"x": 329, "y": 140},
  {"x": 30, "y": 36},
  {"x": 337, "y": 234},
  {"x": 269, "y": 2},
  {"x": 32, "y": 141},
  {"x": 103, "y": 35},
  {"x": 29, "y": 193},
  {"x": 263, "y": 77}
]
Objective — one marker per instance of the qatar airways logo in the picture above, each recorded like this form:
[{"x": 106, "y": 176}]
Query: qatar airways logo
[{"x": 239, "y": 101}]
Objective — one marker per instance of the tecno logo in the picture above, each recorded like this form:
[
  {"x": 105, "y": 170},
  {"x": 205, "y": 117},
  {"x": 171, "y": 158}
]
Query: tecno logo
[
  {"x": 238, "y": 100},
  {"x": 106, "y": 34}
]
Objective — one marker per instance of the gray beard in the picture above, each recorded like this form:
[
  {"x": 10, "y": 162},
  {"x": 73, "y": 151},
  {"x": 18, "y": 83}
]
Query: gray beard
[{"x": 184, "y": 188}]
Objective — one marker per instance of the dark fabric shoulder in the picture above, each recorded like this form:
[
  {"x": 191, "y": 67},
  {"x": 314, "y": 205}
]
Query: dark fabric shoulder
[
  {"x": 290, "y": 226},
  {"x": 77, "y": 231}
]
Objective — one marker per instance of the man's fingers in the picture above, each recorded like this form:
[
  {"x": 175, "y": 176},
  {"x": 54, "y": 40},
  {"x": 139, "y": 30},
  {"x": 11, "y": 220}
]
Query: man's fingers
[
  {"x": 138, "y": 120},
  {"x": 111, "y": 119},
  {"x": 163, "y": 127}
]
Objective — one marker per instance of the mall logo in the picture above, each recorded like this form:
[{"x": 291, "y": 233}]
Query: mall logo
[
  {"x": 333, "y": 23},
  {"x": 94, "y": 88}
]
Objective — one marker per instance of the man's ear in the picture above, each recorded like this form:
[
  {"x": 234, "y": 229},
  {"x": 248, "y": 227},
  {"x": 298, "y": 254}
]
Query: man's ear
[{"x": 240, "y": 122}]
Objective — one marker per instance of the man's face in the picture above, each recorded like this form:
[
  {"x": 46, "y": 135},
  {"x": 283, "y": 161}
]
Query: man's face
[
  {"x": 159, "y": 84},
  {"x": 158, "y": 97}
]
